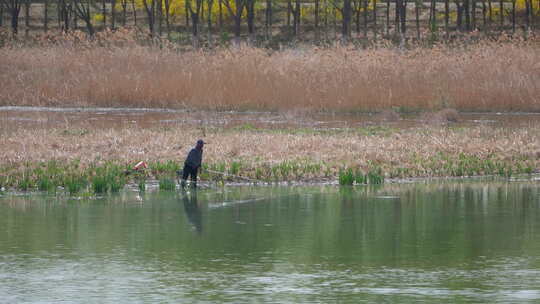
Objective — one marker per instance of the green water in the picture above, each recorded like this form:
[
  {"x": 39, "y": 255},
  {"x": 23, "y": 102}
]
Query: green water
[{"x": 453, "y": 242}]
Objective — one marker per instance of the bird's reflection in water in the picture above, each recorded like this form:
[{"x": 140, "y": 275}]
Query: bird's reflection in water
[{"x": 193, "y": 212}]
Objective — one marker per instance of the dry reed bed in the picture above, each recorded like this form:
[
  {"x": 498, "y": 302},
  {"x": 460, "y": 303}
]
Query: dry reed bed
[
  {"x": 407, "y": 149},
  {"x": 487, "y": 76}
]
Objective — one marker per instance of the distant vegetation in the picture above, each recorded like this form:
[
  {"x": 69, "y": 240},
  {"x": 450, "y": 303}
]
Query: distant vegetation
[
  {"x": 272, "y": 23},
  {"x": 484, "y": 76},
  {"x": 316, "y": 55}
]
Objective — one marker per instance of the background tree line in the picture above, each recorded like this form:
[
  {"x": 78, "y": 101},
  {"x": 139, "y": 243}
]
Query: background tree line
[{"x": 268, "y": 19}]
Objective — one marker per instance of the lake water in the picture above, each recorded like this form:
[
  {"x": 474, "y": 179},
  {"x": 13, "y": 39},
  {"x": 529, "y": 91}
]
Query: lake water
[
  {"x": 16, "y": 118},
  {"x": 438, "y": 242}
]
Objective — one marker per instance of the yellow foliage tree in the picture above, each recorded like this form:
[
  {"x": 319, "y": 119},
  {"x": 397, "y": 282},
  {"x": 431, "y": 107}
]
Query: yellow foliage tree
[
  {"x": 521, "y": 5},
  {"x": 177, "y": 8}
]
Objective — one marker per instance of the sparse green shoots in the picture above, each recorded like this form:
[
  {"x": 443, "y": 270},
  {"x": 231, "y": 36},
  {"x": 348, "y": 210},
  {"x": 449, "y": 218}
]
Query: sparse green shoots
[
  {"x": 167, "y": 183},
  {"x": 235, "y": 167},
  {"x": 45, "y": 183},
  {"x": 141, "y": 185},
  {"x": 110, "y": 177},
  {"x": 74, "y": 184},
  {"x": 346, "y": 177},
  {"x": 350, "y": 176}
]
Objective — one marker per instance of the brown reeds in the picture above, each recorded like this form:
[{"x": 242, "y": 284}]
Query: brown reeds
[{"x": 483, "y": 77}]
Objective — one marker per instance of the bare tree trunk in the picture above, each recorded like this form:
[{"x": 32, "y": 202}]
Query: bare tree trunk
[
  {"x": 459, "y": 18},
  {"x": 296, "y": 17},
  {"x": 134, "y": 12},
  {"x": 104, "y": 13},
  {"x": 27, "y": 18},
  {"x": 473, "y": 15},
  {"x": 403, "y": 15},
  {"x": 250, "y": 7},
  {"x": 1, "y": 13},
  {"x": 113, "y": 14},
  {"x": 484, "y": 15},
  {"x": 268, "y": 18},
  {"x": 326, "y": 19},
  {"x": 527, "y": 11},
  {"x": 195, "y": 17},
  {"x": 237, "y": 16},
  {"x": 59, "y": 13},
  {"x": 289, "y": 9},
  {"x": 209, "y": 18},
  {"x": 417, "y": 4},
  {"x": 82, "y": 10},
  {"x": 72, "y": 17},
  {"x": 201, "y": 17},
  {"x": 375, "y": 19},
  {"x": 346, "y": 12},
  {"x": 220, "y": 7},
  {"x": 334, "y": 20},
  {"x": 150, "y": 9},
  {"x": 317, "y": 31},
  {"x": 124, "y": 12},
  {"x": 447, "y": 18},
  {"x": 63, "y": 15},
  {"x": 490, "y": 13},
  {"x": 357, "y": 5},
  {"x": 15, "y": 22},
  {"x": 45, "y": 15},
  {"x": 14, "y": 8},
  {"x": 195, "y": 29},
  {"x": 535, "y": 15},
  {"x": 501, "y": 14},
  {"x": 529, "y": 15},
  {"x": 160, "y": 17},
  {"x": 513, "y": 16},
  {"x": 467, "y": 12},
  {"x": 167, "y": 17},
  {"x": 237, "y": 26},
  {"x": 365, "y": 18},
  {"x": 187, "y": 13},
  {"x": 397, "y": 15},
  {"x": 387, "y": 17},
  {"x": 433, "y": 16}
]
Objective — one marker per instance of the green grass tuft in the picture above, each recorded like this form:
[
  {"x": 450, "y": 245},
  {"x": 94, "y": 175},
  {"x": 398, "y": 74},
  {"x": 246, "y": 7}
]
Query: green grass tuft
[
  {"x": 346, "y": 177},
  {"x": 167, "y": 184},
  {"x": 351, "y": 177},
  {"x": 45, "y": 183},
  {"x": 75, "y": 184}
]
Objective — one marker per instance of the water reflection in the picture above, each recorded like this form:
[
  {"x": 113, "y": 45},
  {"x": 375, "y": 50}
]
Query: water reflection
[
  {"x": 451, "y": 242},
  {"x": 192, "y": 210}
]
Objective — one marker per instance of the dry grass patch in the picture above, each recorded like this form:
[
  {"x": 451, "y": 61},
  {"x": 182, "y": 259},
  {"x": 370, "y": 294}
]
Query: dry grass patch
[
  {"x": 487, "y": 76},
  {"x": 438, "y": 151}
]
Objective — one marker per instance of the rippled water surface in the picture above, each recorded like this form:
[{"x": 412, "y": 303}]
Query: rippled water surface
[{"x": 444, "y": 242}]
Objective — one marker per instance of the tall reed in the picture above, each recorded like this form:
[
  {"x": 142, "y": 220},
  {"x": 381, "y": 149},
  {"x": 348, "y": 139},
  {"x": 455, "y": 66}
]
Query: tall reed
[{"x": 486, "y": 76}]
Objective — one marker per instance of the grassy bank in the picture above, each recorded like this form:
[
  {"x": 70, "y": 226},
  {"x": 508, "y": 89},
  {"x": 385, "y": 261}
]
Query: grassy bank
[
  {"x": 485, "y": 76},
  {"x": 96, "y": 160}
]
